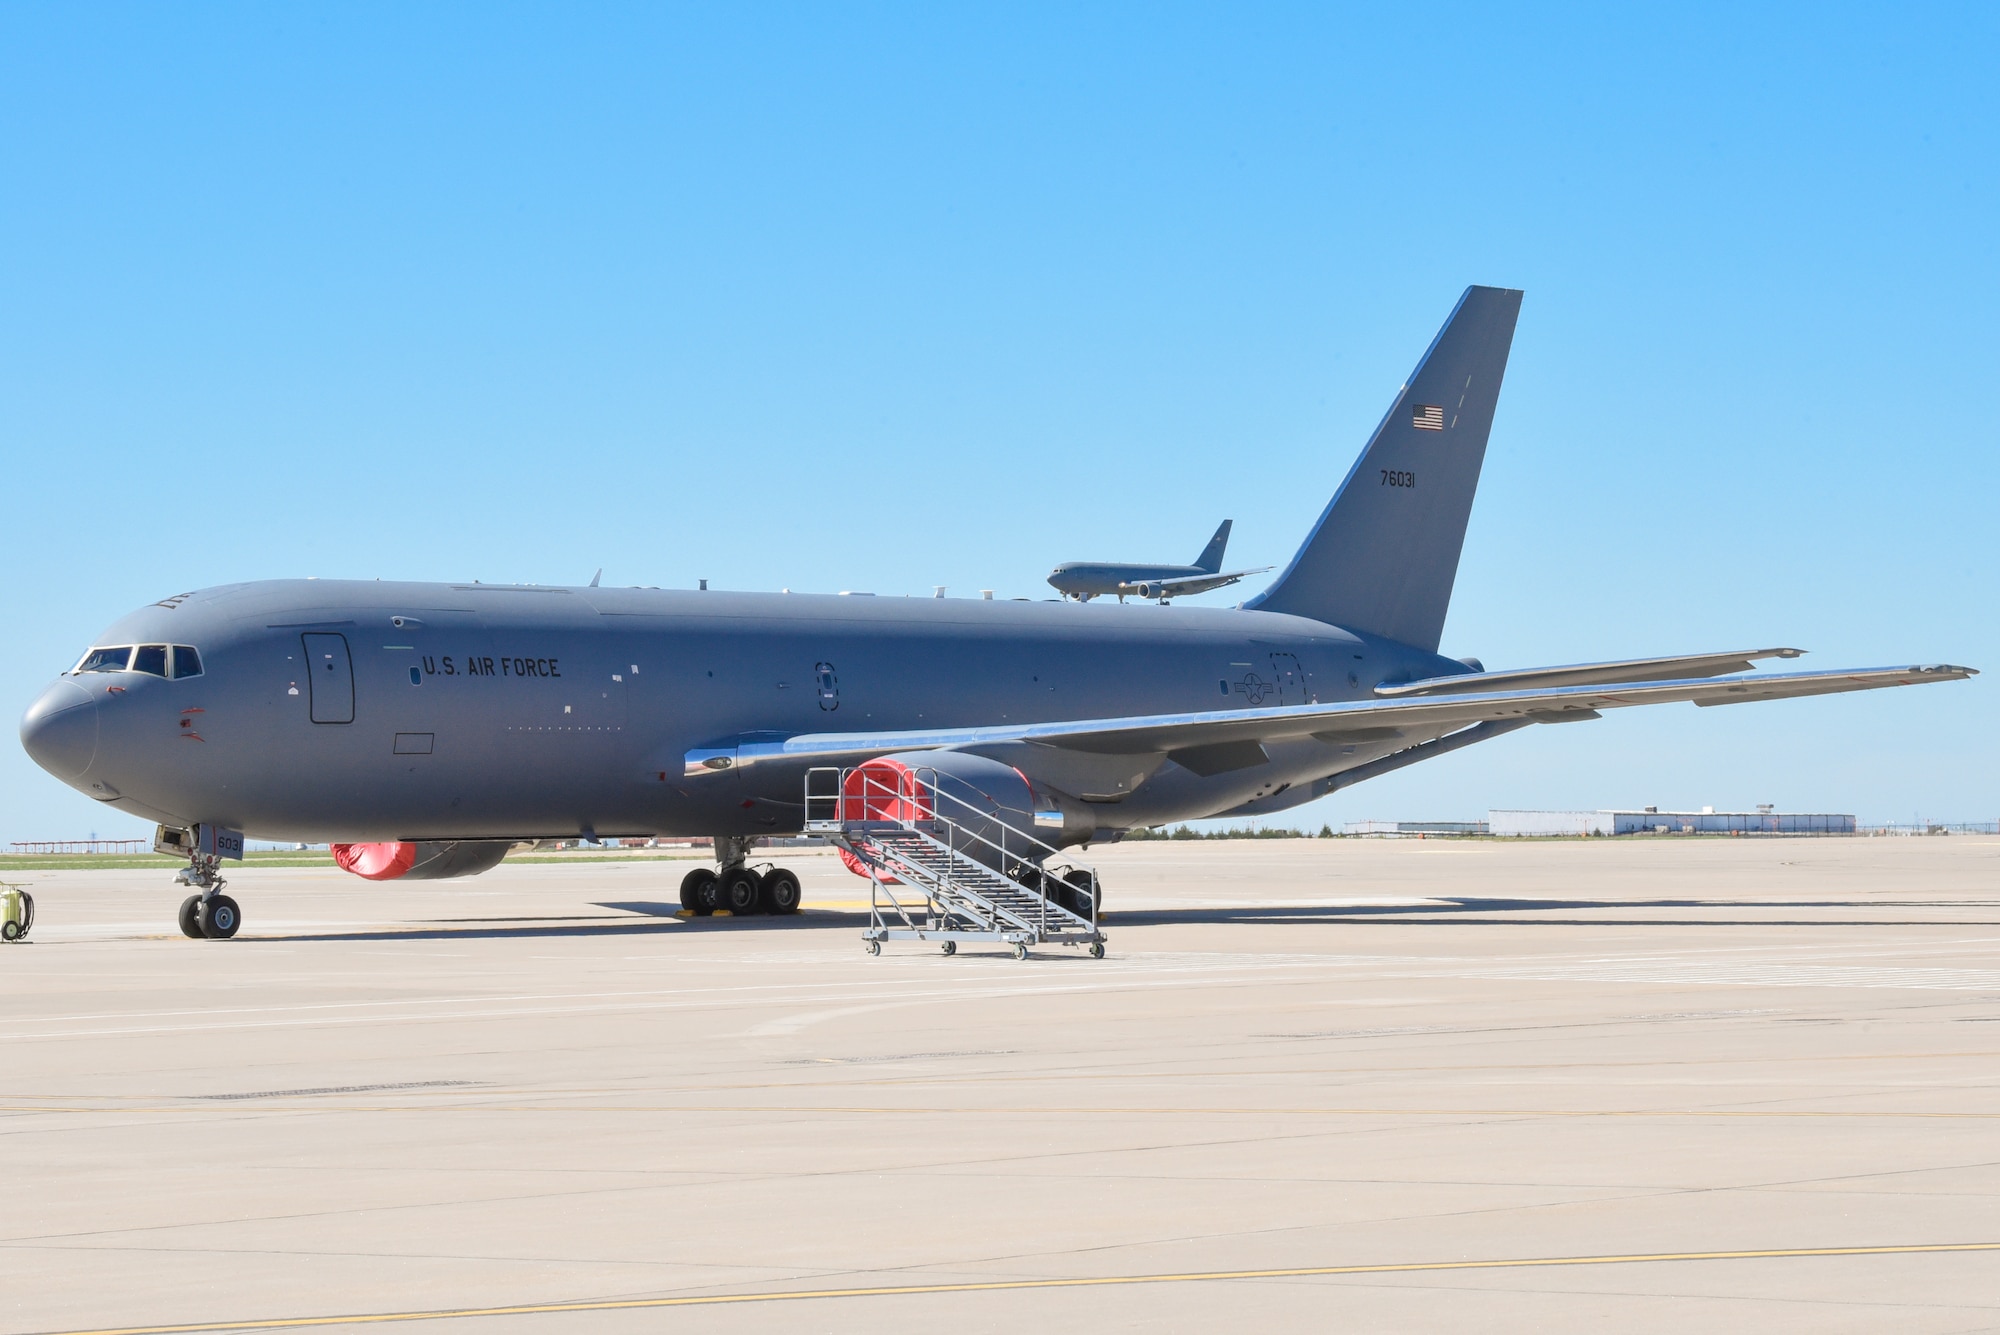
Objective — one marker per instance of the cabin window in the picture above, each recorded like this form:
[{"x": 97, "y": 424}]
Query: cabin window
[
  {"x": 187, "y": 663},
  {"x": 112, "y": 659},
  {"x": 150, "y": 659}
]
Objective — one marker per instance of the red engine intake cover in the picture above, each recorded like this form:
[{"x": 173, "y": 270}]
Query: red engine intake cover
[
  {"x": 375, "y": 862},
  {"x": 881, "y": 789}
]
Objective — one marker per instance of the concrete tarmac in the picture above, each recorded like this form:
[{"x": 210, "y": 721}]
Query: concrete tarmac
[{"x": 1651, "y": 1085}]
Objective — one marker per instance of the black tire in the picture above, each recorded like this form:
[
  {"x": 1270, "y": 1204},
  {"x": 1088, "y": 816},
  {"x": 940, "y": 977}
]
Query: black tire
[
  {"x": 698, "y": 892},
  {"x": 27, "y": 912},
  {"x": 221, "y": 918},
  {"x": 741, "y": 892},
  {"x": 782, "y": 892},
  {"x": 191, "y": 917},
  {"x": 10, "y": 930},
  {"x": 1080, "y": 892}
]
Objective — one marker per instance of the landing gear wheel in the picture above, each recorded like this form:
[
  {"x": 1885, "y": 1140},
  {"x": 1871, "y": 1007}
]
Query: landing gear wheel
[
  {"x": 741, "y": 892},
  {"x": 950, "y": 947},
  {"x": 1081, "y": 894},
  {"x": 698, "y": 892},
  {"x": 1020, "y": 952},
  {"x": 191, "y": 917},
  {"x": 782, "y": 892},
  {"x": 220, "y": 917},
  {"x": 1097, "y": 950},
  {"x": 874, "y": 947}
]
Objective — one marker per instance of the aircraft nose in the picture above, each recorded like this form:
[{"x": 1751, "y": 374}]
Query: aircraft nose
[{"x": 59, "y": 731}]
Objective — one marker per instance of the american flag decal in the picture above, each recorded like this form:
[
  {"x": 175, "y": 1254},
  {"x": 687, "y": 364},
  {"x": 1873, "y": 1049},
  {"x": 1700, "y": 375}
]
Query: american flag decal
[{"x": 1427, "y": 417}]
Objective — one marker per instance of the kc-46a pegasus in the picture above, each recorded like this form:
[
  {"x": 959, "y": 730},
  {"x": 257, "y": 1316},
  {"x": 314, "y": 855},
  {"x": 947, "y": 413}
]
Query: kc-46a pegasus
[{"x": 964, "y": 750}]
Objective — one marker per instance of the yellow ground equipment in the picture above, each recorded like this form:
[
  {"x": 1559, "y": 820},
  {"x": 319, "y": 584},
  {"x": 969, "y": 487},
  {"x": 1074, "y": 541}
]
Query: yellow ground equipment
[{"x": 17, "y": 912}]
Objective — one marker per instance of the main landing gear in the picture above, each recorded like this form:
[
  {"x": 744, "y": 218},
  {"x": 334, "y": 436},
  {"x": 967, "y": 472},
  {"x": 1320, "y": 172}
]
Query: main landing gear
[
  {"x": 209, "y": 914},
  {"x": 737, "y": 887}
]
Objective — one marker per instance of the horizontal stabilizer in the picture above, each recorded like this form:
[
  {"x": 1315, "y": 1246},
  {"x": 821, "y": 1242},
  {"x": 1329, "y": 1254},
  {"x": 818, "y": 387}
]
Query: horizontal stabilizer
[{"x": 1587, "y": 674}]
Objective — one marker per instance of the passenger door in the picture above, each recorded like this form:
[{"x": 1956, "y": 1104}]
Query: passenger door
[{"x": 330, "y": 677}]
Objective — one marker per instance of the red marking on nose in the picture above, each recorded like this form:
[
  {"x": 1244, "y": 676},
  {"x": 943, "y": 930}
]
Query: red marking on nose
[
  {"x": 114, "y": 690},
  {"x": 194, "y": 711}
]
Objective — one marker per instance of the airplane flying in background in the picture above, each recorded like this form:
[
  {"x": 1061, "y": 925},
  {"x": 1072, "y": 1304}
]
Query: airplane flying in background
[
  {"x": 1084, "y": 580},
  {"x": 424, "y": 729}
]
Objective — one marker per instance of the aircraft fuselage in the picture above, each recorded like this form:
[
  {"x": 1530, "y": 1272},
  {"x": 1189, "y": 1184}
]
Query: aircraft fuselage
[
  {"x": 507, "y": 712},
  {"x": 1088, "y": 579}
]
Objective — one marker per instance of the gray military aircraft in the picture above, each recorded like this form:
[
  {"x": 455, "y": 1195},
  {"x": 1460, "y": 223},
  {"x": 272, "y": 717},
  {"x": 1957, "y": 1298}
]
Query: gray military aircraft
[
  {"x": 1084, "y": 580},
  {"x": 427, "y": 728}
]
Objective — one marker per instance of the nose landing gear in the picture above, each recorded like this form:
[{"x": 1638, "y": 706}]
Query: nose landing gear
[{"x": 209, "y": 915}]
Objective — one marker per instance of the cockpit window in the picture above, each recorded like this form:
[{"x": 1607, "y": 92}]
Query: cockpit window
[
  {"x": 150, "y": 659},
  {"x": 106, "y": 660},
  {"x": 187, "y": 663}
]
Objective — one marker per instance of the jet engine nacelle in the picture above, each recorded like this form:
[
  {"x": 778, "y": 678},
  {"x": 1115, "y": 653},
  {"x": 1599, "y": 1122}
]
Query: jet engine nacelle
[
  {"x": 421, "y": 861},
  {"x": 1008, "y": 819}
]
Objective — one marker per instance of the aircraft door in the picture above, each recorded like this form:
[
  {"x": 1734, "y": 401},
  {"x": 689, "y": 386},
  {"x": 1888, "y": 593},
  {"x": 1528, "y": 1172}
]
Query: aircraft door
[
  {"x": 1291, "y": 680},
  {"x": 330, "y": 678}
]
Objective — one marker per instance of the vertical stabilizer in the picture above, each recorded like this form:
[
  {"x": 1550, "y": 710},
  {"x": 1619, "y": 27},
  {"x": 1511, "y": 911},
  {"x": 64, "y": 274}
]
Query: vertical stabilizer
[
  {"x": 1384, "y": 555},
  {"x": 1210, "y": 559}
]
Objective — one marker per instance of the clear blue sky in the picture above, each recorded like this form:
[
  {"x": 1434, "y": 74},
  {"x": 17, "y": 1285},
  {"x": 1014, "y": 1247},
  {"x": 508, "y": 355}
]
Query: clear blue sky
[{"x": 885, "y": 297}]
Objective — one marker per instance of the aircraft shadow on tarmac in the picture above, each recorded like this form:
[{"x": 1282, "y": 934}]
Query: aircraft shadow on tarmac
[
  {"x": 648, "y": 919},
  {"x": 1453, "y": 910},
  {"x": 652, "y": 918}
]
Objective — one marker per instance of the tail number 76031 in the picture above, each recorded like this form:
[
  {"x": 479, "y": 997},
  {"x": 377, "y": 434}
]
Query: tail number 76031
[{"x": 1392, "y": 478}]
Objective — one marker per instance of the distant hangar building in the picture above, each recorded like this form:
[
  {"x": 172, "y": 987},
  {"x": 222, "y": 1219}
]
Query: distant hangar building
[
  {"x": 1764, "y": 820},
  {"x": 1410, "y": 829}
]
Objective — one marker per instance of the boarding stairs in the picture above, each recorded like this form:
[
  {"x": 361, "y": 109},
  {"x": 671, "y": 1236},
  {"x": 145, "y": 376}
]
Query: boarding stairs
[{"x": 907, "y": 830}]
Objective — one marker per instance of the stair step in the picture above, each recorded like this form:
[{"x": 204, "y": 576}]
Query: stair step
[{"x": 960, "y": 884}]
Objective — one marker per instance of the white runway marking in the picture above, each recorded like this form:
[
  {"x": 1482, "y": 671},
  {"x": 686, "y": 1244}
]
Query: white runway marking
[{"x": 1743, "y": 973}]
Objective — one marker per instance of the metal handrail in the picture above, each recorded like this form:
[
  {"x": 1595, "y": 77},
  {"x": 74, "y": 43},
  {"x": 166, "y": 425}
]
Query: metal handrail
[{"x": 874, "y": 788}]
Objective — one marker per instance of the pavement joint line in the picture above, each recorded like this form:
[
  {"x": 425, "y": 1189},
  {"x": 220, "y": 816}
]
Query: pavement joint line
[
  {"x": 1005, "y": 1285},
  {"x": 248, "y": 1105}
]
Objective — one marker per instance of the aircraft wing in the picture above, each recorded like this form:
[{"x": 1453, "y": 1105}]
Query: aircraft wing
[
  {"x": 1587, "y": 674},
  {"x": 1186, "y": 586},
  {"x": 1111, "y": 757}
]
